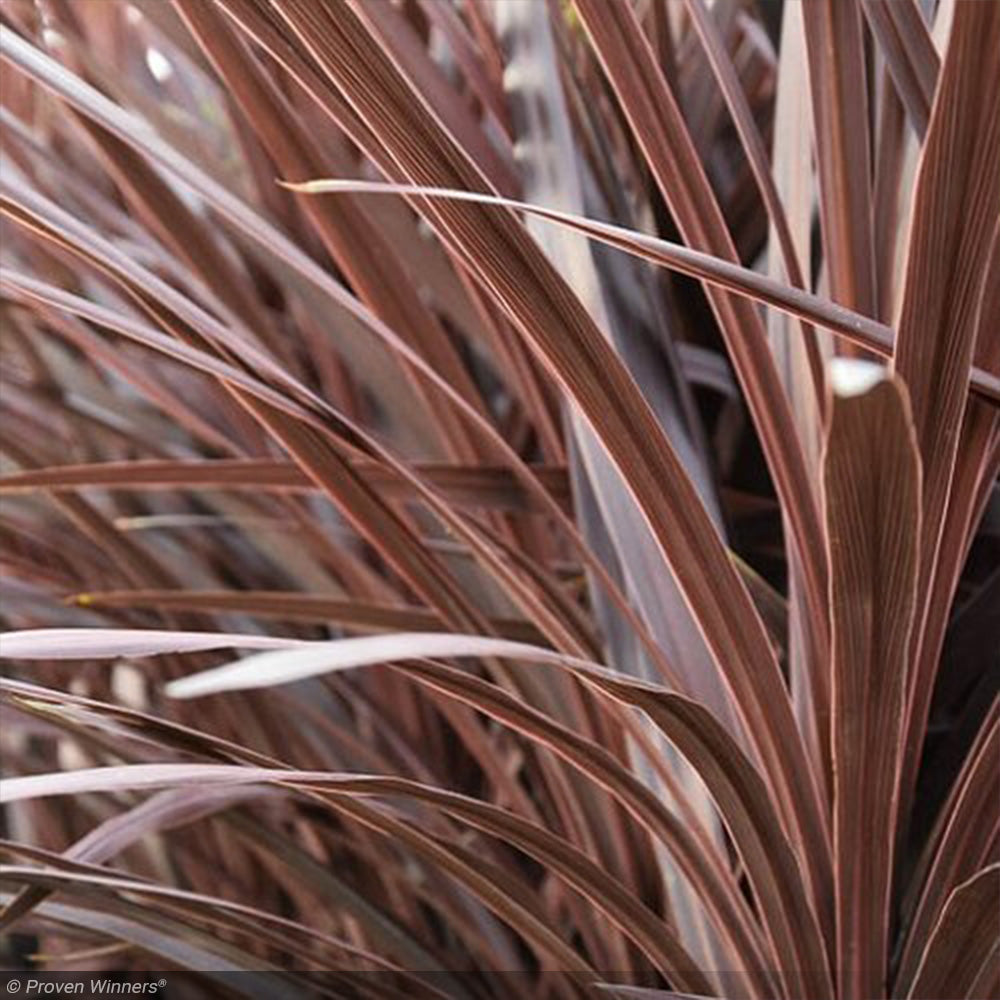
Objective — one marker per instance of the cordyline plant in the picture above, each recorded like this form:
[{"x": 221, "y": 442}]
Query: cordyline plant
[{"x": 617, "y": 383}]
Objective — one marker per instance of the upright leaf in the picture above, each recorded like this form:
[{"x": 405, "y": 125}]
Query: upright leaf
[
  {"x": 838, "y": 84},
  {"x": 511, "y": 267},
  {"x": 954, "y": 224},
  {"x": 872, "y": 492},
  {"x": 962, "y": 958}
]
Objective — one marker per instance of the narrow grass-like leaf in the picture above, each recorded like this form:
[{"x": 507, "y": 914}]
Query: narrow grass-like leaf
[
  {"x": 958, "y": 847},
  {"x": 547, "y": 313},
  {"x": 954, "y": 229},
  {"x": 474, "y": 486},
  {"x": 729, "y": 777},
  {"x": 296, "y": 606},
  {"x": 902, "y": 35},
  {"x": 519, "y": 469},
  {"x": 852, "y": 326},
  {"x": 835, "y": 47},
  {"x": 962, "y": 951},
  {"x": 172, "y": 942},
  {"x": 659, "y": 126}
]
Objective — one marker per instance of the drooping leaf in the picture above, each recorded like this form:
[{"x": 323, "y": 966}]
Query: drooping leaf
[
  {"x": 854, "y": 327},
  {"x": 729, "y": 777}
]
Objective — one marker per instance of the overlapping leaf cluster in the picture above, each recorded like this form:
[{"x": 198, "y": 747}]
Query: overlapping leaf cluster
[{"x": 587, "y": 418}]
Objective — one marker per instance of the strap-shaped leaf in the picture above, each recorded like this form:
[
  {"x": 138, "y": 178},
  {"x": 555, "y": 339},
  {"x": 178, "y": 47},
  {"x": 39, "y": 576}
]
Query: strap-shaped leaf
[
  {"x": 655, "y": 117},
  {"x": 962, "y": 957},
  {"x": 872, "y": 493},
  {"x": 497, "y": 250},
  {"x": 969, "y": 824},
  {"x": 835, "y": 48},
  {"x": 953, "y": 229}
]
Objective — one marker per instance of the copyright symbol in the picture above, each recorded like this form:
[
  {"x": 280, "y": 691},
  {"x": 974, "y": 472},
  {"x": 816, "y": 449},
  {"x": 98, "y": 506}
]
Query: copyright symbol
[{"x": 13, "y": 985}]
